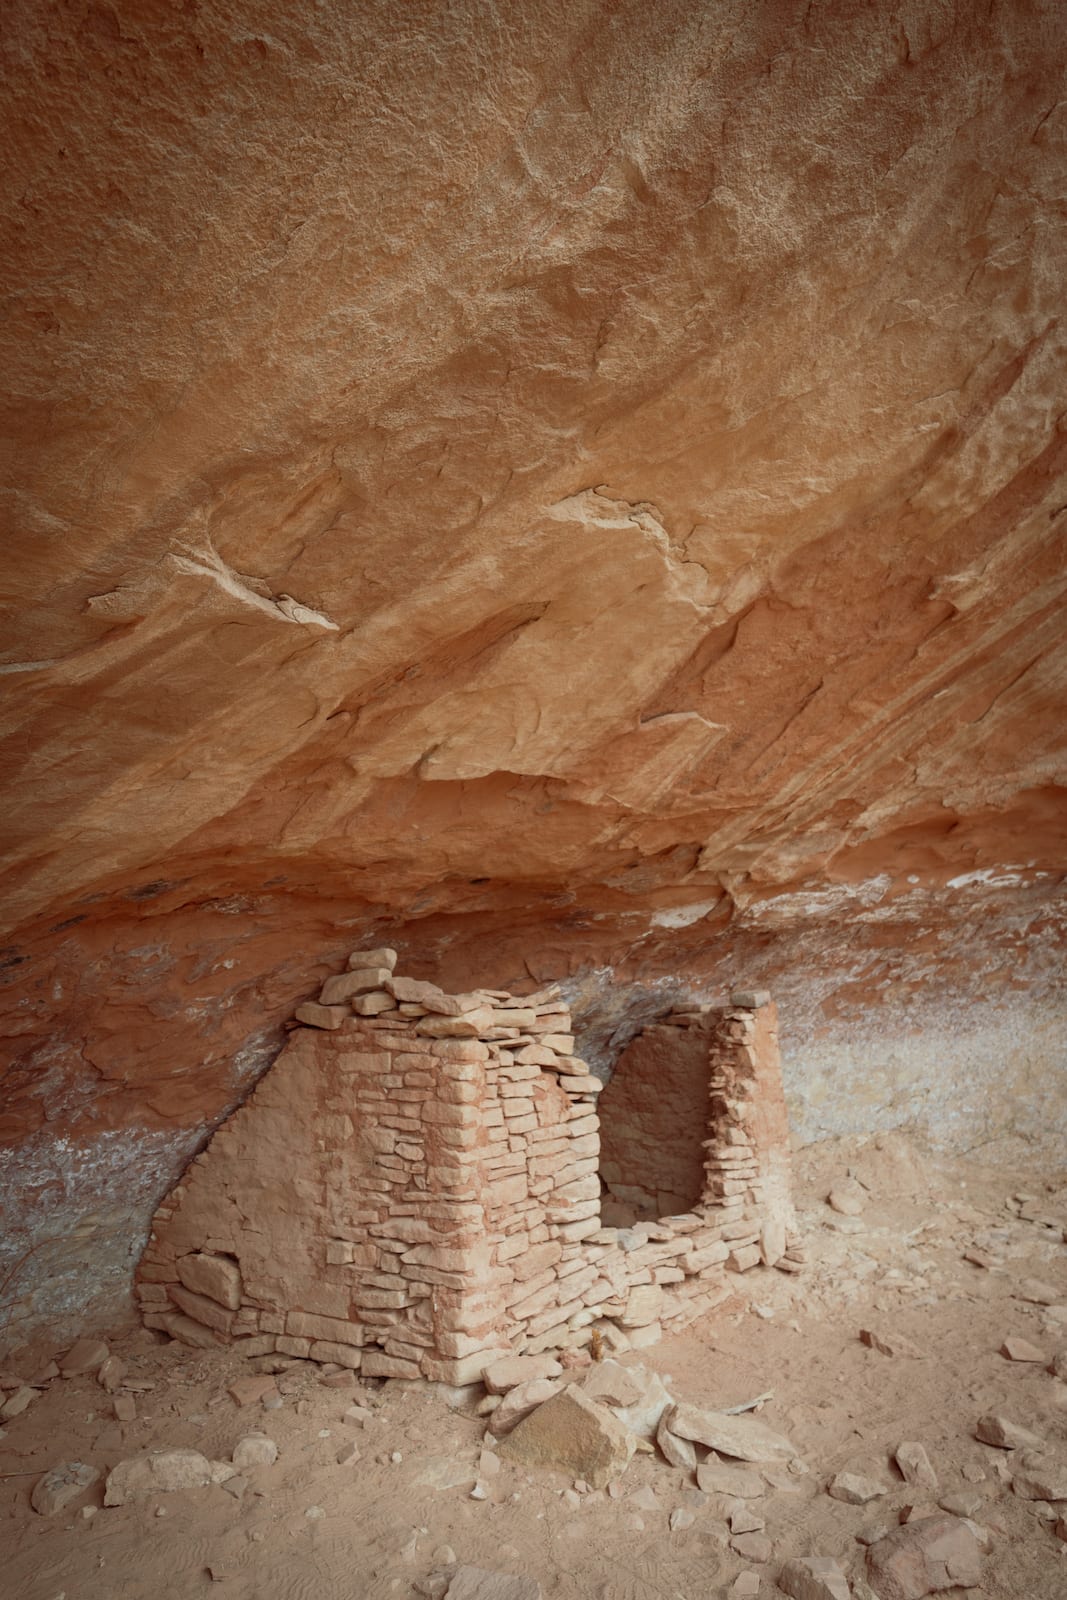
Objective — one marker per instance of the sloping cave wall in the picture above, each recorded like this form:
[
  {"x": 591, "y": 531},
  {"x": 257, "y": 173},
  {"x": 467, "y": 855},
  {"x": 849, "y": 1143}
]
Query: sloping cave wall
[{"x": 574, "y": 491}]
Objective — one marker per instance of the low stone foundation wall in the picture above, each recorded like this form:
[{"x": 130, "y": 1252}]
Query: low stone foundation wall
[{"x": 414, "y": 1188}]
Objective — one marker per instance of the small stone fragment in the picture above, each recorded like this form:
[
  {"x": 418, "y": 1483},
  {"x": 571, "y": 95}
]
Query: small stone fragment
[
  {"x": 871, "y": 1532},
  {"x": 1039, "y": 1475},
  {"x": 678, "y": 1452},
  {"x": 743, "y": 1437},
  {"x": 714, "y": 1478},
  {"x": 60, "y": 1485},
  {"x": 744, "y": 1520},
  {"x": 847, "y": 1197},
  {"x": 17, "y": 1402},
  {"x": 124, "y": 1407},
  {"x": 752, "y": 1546},
  {"x": 916, "y": 1510},
  {"x": 111, "y": 1373},
  {"x": 924, "y": 1558},
  {"x": 855, "y": 1490},
  {"x": 85, "y": 1355},
  {"x": 889, "y": 1344},
  {"x": 681, "y": 1518},
  {"x": 476, "y": 1583},
  {"x": 914, "y": 1464},
  {"x": 813, "y": 1578},
  {"x": 745, "y": 1586},
  {"x": 1005, "y": 1434},
  {"x": 962, "y": 1502},
  {"x": 156, "y": 1472},
  {"x": 257, "y": 1386},
  {"x": 500, "y": 1376},
  {"x": 1016, "y": 1349},
  {"x": 347, "y": 1456},
  {"x": 254, "y": 1450},
  {"x": 1036, "y": 1293},
  {"x": 521, "y": 1401}
]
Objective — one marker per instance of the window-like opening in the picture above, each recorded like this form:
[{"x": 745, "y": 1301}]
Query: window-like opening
[{"x": 655, "y": 1116}]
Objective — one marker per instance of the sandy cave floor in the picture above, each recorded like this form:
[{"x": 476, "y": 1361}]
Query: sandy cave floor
[{"x": 308, "y": 1528}]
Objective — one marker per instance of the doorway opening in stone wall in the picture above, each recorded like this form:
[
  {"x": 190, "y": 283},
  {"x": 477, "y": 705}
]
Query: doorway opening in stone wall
[{"x": 655, "y": 1118}]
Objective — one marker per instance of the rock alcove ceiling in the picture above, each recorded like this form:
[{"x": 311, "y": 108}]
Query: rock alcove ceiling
[{"x": 572, "y": 491}]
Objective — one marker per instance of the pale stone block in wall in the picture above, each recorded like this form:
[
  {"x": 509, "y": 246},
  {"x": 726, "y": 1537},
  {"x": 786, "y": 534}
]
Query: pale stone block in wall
[
  {"x": 260, "y": 1344},
  {"x": 303, "y": 1324},
  {"x": 319, "y": 1016},
  {"x": 292, "y": 1347},
  {"x": 744, "y": 1257},
  {"x": 214, "y": 1276},
  {"x": 202, "y": 1309},
  {"x": 342, "y": 1355},
  {"x": 376, "y": 1364},
  {"x": 571, "y": 1231},
  {"x": 382, "y": 957},
  {"x": 335, "y": 991}
]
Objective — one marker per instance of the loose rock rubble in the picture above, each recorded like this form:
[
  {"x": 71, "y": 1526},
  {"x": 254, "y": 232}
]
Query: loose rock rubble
[{"x": 685, "y": 1472}]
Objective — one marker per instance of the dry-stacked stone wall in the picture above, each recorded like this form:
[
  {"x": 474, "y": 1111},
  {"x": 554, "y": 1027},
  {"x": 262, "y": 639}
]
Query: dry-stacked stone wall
[{"x": 414, "y": 1188}]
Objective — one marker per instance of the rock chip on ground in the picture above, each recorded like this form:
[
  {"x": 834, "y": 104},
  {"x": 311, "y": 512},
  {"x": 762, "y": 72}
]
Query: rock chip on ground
[
  {"x": 1005, "y": 1434},
  {"x": 1037, "y": 1293},
  {"x": 254, "y": 1450},
  {"x": 257, "y": 1386},
  {"x": 963, "y": 1502},
  {"x": 643, "y": 1413},
  {"x": 847, "y": 1197},
  {"x": 1016, "y": 1349},
  {"x": 476, "y": 1583},
  {"x": 1039, "y": 1475},
  {"x": 923, "y": 1558},
  {"x": 500, "y": 1376},
  {"x": 714, "y": 1478},
  {"x": 752, "y": 1546},
  {"x": 574, "y": 1433},
  {"x": 813, "y": 1578},
  {"x": 744, "y": 1520},
  {"x": 85, "y": 1355},
  {"x": 520, "y": 1402},
  {"x": 678, "y": 1452},
  {"x": 742, "y": 1437},
  {"x": 888, "y": 1343},
  {"x": 915, "y": 1465},
  {"x": 110, "y": 1373},
  {"x": 156, "y": 1472},
  {"x": 125, "y": 1408},
  {"x": 18, "y": 1401},
  {"x": 60, "y": 1485},
  {"x": 745, "y": 1586},
  {"x": 854, "y": 1490}
]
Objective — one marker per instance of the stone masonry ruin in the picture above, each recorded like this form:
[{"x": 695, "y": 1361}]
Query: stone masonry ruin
[{"x": 415, "y": 1186}]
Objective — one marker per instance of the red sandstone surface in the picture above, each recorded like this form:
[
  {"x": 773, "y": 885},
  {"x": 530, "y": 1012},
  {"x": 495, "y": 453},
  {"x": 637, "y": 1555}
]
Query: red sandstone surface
[{"x": 575, "y": 494}]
